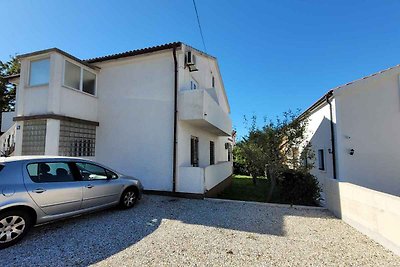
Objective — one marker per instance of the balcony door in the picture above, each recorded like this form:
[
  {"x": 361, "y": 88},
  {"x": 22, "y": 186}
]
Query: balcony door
[{"x": 194, "y": 151}]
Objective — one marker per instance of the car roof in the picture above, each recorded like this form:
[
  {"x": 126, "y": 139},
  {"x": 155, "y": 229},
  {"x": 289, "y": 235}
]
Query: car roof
[{"x": 28, "y": 158}]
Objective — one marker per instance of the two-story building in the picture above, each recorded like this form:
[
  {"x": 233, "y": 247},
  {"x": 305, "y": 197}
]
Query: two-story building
[{"x": 160, "y": 114}]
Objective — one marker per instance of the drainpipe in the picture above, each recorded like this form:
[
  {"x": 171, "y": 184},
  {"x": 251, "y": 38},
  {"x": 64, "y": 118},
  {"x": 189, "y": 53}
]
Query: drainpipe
[
  {"x": 328, "y": 96},
  {"x": 175, "y": 118}
]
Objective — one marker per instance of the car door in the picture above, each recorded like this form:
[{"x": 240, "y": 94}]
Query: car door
[
  {"x": 53, "y": 186},
  {"x": 100, "y": 186}
]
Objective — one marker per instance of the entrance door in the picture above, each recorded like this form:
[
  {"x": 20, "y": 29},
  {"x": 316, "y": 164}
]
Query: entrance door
[{"x": 194, "y": 151}]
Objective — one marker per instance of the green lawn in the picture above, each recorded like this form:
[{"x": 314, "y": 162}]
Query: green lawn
[{"x": 242, "y": 188}]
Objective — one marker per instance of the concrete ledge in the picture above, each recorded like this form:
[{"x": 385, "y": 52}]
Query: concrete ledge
[
  {"x": 174, "y": 194},
  {"x": 267, "y": 204},
  {"x": 219, "y": 187}
]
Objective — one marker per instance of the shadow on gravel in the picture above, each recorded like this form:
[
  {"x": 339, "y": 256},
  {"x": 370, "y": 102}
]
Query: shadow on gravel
[{"x": 89, "y": 239}]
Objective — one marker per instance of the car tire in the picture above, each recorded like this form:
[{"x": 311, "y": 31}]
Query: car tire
[
  {"x": 14, "y": 225},
  {"x": 128, "y": 198}
]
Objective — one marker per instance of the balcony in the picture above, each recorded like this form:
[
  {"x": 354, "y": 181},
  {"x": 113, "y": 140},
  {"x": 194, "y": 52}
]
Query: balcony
[
  {"x": 198, "y": 180},
  {"x": 200, "y": 109}
]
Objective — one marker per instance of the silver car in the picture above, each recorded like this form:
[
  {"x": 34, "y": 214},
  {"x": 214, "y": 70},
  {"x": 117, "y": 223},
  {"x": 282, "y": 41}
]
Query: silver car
[{"x": 36, "y": 190}]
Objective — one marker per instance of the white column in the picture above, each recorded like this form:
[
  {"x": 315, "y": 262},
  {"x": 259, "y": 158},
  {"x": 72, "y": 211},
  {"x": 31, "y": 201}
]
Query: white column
[
  {"x": 18, "y": 138},
  {"x": 52, "y": 137}
]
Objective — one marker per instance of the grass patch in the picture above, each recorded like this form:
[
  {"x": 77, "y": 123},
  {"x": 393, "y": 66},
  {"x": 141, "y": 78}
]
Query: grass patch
[{"x": 242, "y": 188}]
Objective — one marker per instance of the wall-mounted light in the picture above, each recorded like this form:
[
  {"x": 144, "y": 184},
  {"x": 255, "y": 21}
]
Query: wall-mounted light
[
  {"x": 329, "y": 150},
  {"x": 351, "y": 152}
]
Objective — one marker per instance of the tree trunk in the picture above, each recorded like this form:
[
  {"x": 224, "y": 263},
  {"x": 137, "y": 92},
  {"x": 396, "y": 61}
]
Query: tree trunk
[
  {"x": 272, "y": 184},
  {"x": 254, "y": 179}
]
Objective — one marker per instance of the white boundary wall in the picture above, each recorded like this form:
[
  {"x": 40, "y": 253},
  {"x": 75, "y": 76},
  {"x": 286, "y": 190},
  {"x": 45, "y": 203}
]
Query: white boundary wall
[{"x": 373, "y": 213}]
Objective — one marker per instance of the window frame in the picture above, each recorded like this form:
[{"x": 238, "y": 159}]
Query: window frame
[
  {"x": 97, "y": 165},
  {"x": 28, "y": 82},
  {"x": 81, "y": 78},
  {"x": 195, "y": 83},
  {"x": 212, "y": 152},
  {"x": 194, "y": 151},
  {"x": 321, "y": 160},
  {"x": 71, "y": 166}
]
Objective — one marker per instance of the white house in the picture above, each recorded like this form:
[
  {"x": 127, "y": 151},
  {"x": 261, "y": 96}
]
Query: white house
[
  {"x": 354, "y": 131},
  {"x": 160, "y": 114}
]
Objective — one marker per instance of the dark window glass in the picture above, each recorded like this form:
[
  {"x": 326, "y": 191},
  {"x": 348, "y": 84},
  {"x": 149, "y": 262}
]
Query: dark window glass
[
  {"x": 194, "y": 151},
  {"x": 72, "y": 75},
  {"x": 229, "y": 152},
  {"x": 91, "y": 172},
  {"x": 212, "y": 153},
  {"x": 50, "y": 172},
  {"x": 321, "y": 160},
  {"x": 213, "y": 81},
  {"x": 89, "y": 82}
]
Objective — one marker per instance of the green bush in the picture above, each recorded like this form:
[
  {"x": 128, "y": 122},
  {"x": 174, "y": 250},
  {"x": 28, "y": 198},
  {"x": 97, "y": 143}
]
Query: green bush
[
  {"x": 299, "y": 188},
  {"x": 240, "y": 168}
]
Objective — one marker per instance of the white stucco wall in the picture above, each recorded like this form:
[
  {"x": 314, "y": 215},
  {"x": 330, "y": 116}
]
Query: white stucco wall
[
  {"x": 319, "y": 135},
  {"x": 136, "y": 106},
  {"x": 369, "y": 117},
  {"x": 53, "y": 98},
  {"x": 373, "y": 213}
]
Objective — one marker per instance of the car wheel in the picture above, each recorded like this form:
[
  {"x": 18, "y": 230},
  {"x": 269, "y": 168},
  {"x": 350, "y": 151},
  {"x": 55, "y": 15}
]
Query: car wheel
[
  {"x": 14, "y": 225},
  {"x": 128, "y": 198}
]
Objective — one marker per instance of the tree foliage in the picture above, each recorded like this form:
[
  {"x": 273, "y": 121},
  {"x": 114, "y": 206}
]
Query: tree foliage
[{"x": 8, "y": 90}]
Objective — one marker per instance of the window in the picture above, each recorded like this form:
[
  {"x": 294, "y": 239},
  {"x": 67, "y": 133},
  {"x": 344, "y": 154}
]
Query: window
[
  {"x": 321, "y": 160},
  {"x": 72, "y": 75},
  {"x": 50, "y": 172},
  {"x": 89, "y": 82},
  {"x": 229, "y": 152},
  {"x": 39, "y": 72},
  {"x": 212, "y": 153},
  {"x": 77, "y": 139},
  {"x": 194, "y": 151},
  {"x": 213, "y": 82},
  {"x": 34, "y": 137},
  {"x": 78, "y": 78},
  {"x": 193, "y": 85},
  {"x": 91, "y": 172}
]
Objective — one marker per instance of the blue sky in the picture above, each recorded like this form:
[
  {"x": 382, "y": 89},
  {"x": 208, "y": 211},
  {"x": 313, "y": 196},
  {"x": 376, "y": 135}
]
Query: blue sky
[{"x": 273, "y": 55}]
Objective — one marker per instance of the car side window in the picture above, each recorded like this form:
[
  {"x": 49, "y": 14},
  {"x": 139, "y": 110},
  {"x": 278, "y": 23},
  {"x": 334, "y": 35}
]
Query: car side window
[
  {"x": 50, "y": 172},
  {"x": 91, "y": 172}
]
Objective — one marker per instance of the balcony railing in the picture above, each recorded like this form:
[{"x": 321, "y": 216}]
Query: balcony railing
[
  {"x": 7, "y": 142},
  {"x": 199, "y": 180},
  {"x": 200, "y": 109}
]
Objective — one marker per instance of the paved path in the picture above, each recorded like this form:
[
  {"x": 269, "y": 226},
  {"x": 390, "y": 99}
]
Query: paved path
[{"x": 163, "y": 231}]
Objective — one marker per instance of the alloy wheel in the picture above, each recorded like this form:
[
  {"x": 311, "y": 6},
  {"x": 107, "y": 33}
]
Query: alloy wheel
[
  {"x": 129, "y": 198},
  {"x": 11, "y": 227}
]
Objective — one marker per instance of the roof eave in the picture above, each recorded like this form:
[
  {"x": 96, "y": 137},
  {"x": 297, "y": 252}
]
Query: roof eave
[{"x": 57, "y": 50}]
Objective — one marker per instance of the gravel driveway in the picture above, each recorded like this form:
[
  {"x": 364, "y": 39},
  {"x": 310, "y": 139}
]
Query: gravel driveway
[{"x": 180, "y": 232}]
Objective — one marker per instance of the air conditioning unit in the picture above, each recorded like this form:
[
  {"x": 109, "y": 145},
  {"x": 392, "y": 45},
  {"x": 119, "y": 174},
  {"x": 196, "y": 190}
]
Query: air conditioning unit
[{"x": 190, "y": 59}]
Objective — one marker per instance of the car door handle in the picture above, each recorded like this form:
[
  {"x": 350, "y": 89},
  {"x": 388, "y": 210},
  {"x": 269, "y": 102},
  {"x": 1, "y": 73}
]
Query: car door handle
[
  {"x": 39, "y": 190},
  {"x": 89, "y": 186}
]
